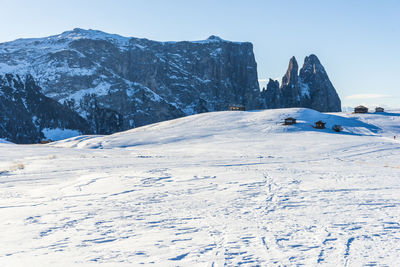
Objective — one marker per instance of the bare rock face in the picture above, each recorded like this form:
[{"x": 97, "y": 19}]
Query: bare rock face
[
  {"x": 291, "y": 76},
  {"x": 310, "y": 89},
  {"x": 322, "y": 95},
  {"x": 117, "y": 83},
  {"x": 272, "y": 96}
]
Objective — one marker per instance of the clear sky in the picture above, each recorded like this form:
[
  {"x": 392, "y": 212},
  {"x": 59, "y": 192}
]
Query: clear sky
[{"x": 357, "y": 41}]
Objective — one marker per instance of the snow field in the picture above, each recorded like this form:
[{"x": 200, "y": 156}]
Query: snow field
[{"x": 224, "y": 188}]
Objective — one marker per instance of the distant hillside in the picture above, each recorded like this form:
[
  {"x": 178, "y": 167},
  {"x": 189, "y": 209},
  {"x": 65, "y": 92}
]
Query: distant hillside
[{"x": 238, "y": 125}]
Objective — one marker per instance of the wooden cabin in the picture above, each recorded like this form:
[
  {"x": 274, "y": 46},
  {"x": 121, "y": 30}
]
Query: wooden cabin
[
  {"x": 45, "y": 141},
  {"x": 360, "y": 109},
  {"x": 289, "y": 121},
  {"x": 320, "y": 125},
  {"x": 337, "y": 128},
  {"x": 379, "y": 109},
  {"x": 237, "y": 108}
]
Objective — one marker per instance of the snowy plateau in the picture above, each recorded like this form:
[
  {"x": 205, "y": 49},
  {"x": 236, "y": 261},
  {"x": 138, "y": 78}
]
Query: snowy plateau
[{"x": 213, "y": 189}]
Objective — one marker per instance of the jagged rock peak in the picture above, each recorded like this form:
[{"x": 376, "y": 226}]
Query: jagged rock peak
[
  {"x": 314, "y": 77},
  {"x": 291, "y": 74},
  {"x": 311, "y": 88},
  {"x": 273, "y": 83},
  {"x": 313, "y": 59},
  {"x": 312, "y": 64}
]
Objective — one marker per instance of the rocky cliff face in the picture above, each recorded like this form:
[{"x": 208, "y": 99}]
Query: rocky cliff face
[
  {"x": 26, "y": 115},
  {"x": 310, "y": 89},
  {"x": 117, "y": 83}
]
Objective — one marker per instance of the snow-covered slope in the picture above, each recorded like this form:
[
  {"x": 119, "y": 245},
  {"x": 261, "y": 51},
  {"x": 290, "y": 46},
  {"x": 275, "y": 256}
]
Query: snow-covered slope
[
  {"x": 2, "y": 141},
  {"x": 223, "y": 188},
  {"x": 389, "y": 121},
  {"x": 246, "y": 125}
]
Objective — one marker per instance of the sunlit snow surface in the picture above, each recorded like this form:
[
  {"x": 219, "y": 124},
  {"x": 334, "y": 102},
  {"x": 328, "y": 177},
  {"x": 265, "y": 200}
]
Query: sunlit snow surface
[{"x": 224, "y": 188}]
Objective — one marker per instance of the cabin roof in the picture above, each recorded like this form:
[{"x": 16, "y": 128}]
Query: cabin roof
[
  {"x": 360, "y": 107},
  {"x": 290, "y": 118}
]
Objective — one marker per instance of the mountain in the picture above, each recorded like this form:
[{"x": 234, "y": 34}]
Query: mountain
[
  {"x": 27, "y": 116},
  {"x": 311, "y": 88},
  {"x": 117, "y": 83},
  {"x": 114, "y": 83}
]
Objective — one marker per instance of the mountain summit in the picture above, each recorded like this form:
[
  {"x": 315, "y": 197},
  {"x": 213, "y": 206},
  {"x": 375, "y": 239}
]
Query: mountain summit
[{"x": 310, "y": 89}]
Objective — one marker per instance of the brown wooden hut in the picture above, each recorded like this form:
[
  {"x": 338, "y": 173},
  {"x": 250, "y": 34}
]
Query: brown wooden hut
[
  {"x": 237, "y": 108},
  {"x": 379, "y": 109},
  {"x": 45, "y": 141},
  {"x": 360, "y": 109},
  {"x": 337, "y": 128},
  {"x": 320, "y": 125},
  {"x": 289, "y": 121}
]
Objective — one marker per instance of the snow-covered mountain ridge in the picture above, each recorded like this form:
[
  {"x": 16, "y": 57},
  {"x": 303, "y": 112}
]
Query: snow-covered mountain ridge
[
  {"x": 61, "y": 41},
  {"x": 139, "y": 80},
  {"x": 25, "y": 50}
]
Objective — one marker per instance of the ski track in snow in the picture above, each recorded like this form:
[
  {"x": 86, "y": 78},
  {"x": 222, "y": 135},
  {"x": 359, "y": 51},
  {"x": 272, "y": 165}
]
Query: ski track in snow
[{"x": 238, "y": 198}]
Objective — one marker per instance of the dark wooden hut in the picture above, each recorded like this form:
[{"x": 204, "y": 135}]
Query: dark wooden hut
[
  {"x": 320, "y": 125},
  {"x": 289, "y": 121},
  {"x": 237, "y": 108},
  {"x": 379, "y": 109},
  {"x": 360, "y": 109},
  {"x": 337, "y": 128},
  {"x": 45, "y": 141}
]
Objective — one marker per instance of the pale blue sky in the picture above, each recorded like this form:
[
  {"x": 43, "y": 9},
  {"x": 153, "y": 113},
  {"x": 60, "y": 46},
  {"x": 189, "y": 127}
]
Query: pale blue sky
[{"x": 358, "y": 42}]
